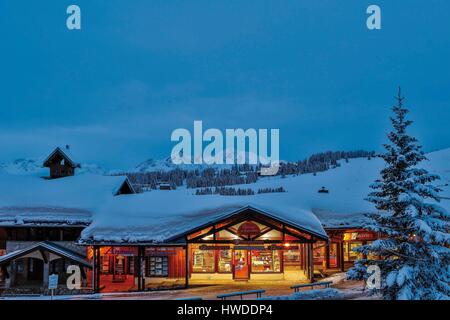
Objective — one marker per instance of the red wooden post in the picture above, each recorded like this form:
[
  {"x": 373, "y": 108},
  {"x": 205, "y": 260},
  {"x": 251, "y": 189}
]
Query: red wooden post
[
  {"x": 94, "y": 269},
  {"x": 327, "y": 256},
  {"x": 186, "y": 251},
  {"x": 139, "y": 269}
]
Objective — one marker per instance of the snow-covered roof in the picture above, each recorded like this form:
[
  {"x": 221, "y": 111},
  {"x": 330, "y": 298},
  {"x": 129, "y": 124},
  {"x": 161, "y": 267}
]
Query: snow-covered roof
[
  {"x": 163, "y": 216},
  {"x": 30, "y": 200},
  {"x": 65, "y": 153}
]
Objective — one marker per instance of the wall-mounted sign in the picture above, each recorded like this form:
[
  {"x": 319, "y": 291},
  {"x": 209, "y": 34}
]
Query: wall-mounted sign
[
  {"x": 125, "y": 251},
  {"x": 249, "y": 229},
  {"x": 248, "y": 242},
  {"x": 205, "y": 247},
  {"x": 365, "y": 235},
  {"x": 253, "y": 248},
  {"x": 282, "y": 247}
]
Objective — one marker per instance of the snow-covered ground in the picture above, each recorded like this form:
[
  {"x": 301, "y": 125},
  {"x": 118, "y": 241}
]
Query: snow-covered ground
[{"x": 341, "y": 290}]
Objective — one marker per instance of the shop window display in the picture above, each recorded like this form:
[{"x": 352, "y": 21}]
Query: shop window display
[
  {"x": 319, "y": 250},
  {"x": 203, "y": 260},
  {"x": 349, "y": 254},
  {"x": 266, "y": 261},
  {"x": 225, "y": 261},
  {"x": 292, "y": 260}
]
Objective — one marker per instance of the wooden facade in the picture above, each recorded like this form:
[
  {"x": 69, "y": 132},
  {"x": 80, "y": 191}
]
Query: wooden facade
[
  {"x": 244, "y": 248},
  {"x": 60, "y": 164},
  {"x": 208, "y": 258},
  {"x": 248, "y": 246}
]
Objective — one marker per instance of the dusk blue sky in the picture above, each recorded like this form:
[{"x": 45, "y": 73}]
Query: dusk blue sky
[{"x": 138, "y": 70}]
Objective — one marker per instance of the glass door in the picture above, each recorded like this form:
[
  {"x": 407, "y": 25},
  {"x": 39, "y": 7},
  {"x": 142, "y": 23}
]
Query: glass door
[{"x": 240, "y": 264}]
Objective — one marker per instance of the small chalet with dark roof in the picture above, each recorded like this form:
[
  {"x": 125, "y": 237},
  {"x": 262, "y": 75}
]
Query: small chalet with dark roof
[{"x": 61, "y": 163}]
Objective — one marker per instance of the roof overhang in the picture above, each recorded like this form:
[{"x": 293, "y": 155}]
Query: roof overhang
[
  {"x": 49, "y": 247},
  {"x": 179, "y": 239},
  {"x": 258, "y": 211}
]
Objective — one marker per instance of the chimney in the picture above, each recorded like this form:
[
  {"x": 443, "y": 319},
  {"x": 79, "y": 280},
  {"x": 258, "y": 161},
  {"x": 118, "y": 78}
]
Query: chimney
[{"x": 67, "y": 147}]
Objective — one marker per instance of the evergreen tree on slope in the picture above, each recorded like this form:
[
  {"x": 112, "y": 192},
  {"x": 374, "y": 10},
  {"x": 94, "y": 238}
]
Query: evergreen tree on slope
[{"x": 414, "y": 254}]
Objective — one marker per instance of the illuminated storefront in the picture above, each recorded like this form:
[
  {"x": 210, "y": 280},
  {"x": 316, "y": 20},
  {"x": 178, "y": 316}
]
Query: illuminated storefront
[
  {"x": 249, "y": 246},
  {"x": 254, "y": 247},
  {"x": 353, "y": 239},
  {"x": 246, "y": 246},
  {"x": 244, "y": 261},
  {"x": 339, "y": 252}
]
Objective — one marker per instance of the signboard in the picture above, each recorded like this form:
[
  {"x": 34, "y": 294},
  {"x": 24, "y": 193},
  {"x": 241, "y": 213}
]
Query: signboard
[
  {"x": 205, "y": 247},
  {"x": 53, "y": 281},
  {"x": 249, "y": 229},
  {"x": 364, "y": 235},
  {"x": 125, "y": 251},
  {"x": 283, "y": 247},
  {"x": 251, "y": 245},
  {"x": 160, "y": 251}
]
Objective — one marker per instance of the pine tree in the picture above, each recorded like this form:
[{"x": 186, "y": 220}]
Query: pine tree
[{"x": 413, "y": 255}]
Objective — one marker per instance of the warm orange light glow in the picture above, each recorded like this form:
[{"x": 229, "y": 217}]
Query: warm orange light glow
[{"x": 287, "y": 245}]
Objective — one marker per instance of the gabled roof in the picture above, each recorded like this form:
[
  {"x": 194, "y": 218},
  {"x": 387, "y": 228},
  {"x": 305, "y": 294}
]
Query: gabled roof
[
  {"x": 261, "y": 211},
  {"x": 65, "y": 154},
  {"x": 46, "y": 246},
  {"x": 120, "y": 186},
  {"x": 159, "y": 217}
]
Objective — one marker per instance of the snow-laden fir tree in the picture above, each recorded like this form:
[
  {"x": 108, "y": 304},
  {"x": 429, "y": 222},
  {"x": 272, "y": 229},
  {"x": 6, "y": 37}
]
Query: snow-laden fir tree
[{"x": 413, "y": 253}]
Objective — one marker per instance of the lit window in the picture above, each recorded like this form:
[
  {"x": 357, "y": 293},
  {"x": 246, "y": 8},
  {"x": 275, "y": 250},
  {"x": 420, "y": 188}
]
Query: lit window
[
  {"x": 203, "y": 260},
  {"x": 224, "y": 261},
  {"x": 266, "y": 261}
]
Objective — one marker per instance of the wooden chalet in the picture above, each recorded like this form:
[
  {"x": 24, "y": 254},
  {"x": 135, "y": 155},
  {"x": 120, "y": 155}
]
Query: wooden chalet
[{"x": 60, "y": 163}]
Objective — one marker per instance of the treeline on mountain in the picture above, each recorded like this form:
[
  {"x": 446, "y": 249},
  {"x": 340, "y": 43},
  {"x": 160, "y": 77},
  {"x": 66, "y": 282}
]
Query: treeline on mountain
[
  {"x": 210, "y": 177},
  {"x": 225, "y": 191},
  {"x": 231, "y": 191}
]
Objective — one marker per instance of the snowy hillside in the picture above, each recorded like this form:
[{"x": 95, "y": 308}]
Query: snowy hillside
[
  {"x": 24, "y": 166},
  {"x": 33, "y": 166},
  {"x": 351, "y": 179},
  {"x": 152, "y": 165}
]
